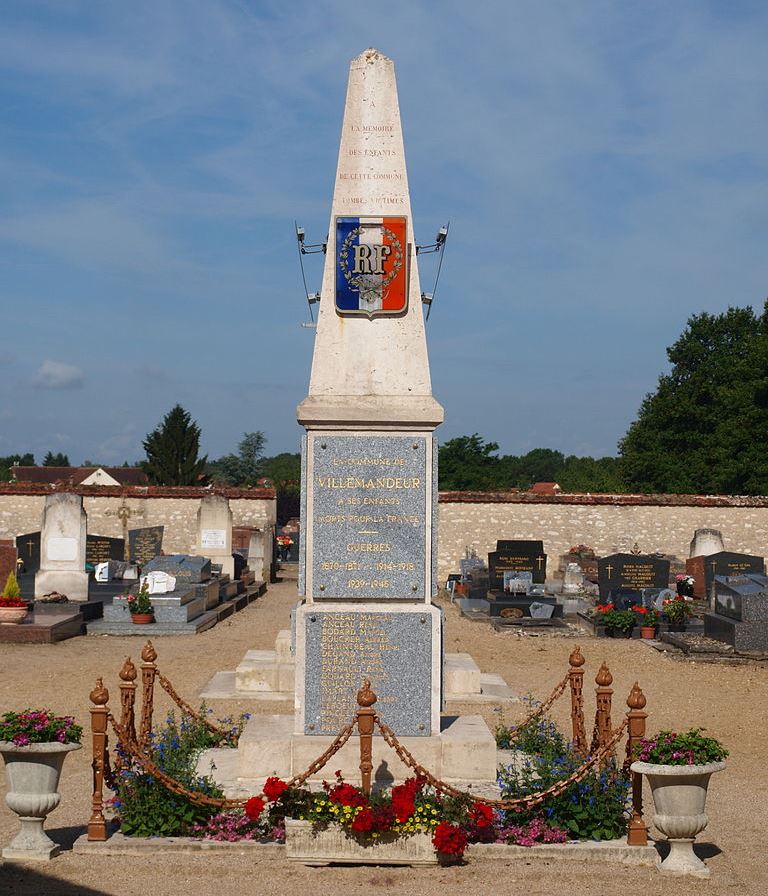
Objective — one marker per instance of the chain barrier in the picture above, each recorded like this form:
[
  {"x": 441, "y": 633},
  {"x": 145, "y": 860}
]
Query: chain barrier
[
  {"x": 524, "y": 802},
  {"x": 230, "y": 736},
  {"x": 514, "y": 733},
  {"x": 338, "y": 742}
]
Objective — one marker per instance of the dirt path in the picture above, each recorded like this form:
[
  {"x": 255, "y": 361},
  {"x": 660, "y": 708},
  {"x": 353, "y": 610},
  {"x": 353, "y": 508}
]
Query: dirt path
[{"x": 730, "y": 702}]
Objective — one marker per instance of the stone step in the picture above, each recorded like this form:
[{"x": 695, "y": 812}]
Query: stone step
[
  {"x": 227, "y": 589},
  {"x": 45, "y": 628}
]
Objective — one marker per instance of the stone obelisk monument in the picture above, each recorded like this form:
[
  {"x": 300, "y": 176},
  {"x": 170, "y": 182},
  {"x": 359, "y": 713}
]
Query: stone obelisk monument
[{"x": 369, "y": 483}]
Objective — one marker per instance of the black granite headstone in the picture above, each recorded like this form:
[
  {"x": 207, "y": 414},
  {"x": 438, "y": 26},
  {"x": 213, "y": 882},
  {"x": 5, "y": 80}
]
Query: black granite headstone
[
  {"x": 627, "y": 573},
  {"x": 531, "y": 560},
  {"x": 28, "y": 550},
  {"x": 100, "y": 548},
  {"x": 729, "y": 563},
  {"x": 145, "y": 544},
  {"x": 519, "y": 546}
]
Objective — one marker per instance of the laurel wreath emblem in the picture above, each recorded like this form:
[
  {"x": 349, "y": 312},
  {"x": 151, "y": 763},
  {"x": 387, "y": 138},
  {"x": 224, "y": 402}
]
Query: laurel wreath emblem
[{"x": 368, "y": 285}]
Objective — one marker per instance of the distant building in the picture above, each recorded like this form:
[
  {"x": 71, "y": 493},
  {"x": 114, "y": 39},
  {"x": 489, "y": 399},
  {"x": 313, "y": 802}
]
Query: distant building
[
  {"x": 80, "y": 475},
  {"x": 545, "y": 488}
]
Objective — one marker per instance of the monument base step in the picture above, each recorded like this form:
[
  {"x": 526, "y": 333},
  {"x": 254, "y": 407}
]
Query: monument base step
[
  {"x": 463, "y": 754},
  {"x": 43, "y": 628}
]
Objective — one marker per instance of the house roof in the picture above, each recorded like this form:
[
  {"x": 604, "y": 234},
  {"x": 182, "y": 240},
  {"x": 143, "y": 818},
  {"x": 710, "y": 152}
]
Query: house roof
[{"x": 76, "y": 475}]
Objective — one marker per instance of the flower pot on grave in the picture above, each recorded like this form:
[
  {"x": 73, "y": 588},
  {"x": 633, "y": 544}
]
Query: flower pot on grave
[
  {"x": 142, "y": 618},
  {"x": 320, "y": 847},
  {"x": 648, "y": 632},
  {"x": 33, "y": 774},
  {"x": 679, "y": 797},
  {"x": 12, "y": 615}
]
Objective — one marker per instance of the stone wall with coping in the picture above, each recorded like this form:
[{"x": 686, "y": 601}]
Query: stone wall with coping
[
  {"x": 21, "y": 510},
  {"x": 607, "y": 523}
]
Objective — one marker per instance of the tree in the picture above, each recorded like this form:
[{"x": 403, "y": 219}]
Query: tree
[
  {"x": 704, "y": 429},
  {"x": 468, "y": 463},
  {"x": 172, "y": 451},
  {"x": 243, "y": 468},
  {"x": 55, "y": 460},
  {"x": 23, "y": 460},
  {"x": 284, "y": 471}
]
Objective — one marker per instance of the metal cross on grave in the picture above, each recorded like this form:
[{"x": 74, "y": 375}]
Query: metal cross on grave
[
  {"x": 124, "y": 513},
  {"x": 609, "y": 569}
]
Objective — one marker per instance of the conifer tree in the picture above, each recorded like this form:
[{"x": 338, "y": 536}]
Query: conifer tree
[{"x": 172, "y": 451}]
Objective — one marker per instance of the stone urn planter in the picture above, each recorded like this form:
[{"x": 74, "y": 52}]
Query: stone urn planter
[
  {"x": 33, "y": 774},
  {"x": 12, "y": 615},
  {"x": 679, "y": 796},
  {"x": 303, "y": 844}
]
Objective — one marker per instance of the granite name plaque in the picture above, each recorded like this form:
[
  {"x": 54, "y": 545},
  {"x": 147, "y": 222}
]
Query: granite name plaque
[
  {"x": 631, "y": 572},
  {"x": 744, "y": 598},
  {"x": 723, "y": 563},
  {"x": 28, "y": 549},
  {"x": 145, "y": 544},
  {"x": 392, "y": 650},
  {"x": 499, "y": 562},
  {"x": 368, "y": 511},
  {"x": 101, "y": 549}
]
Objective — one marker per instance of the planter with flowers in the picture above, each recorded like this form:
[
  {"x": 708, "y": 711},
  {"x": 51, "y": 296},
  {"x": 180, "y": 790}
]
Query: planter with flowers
[
  {"x": 412, "y": 824},
  {"x": 647, "y": 618},
  {"x": 618, "y": 623},
  {"x": 684, "y": 585},
  {"x": 12, "y": 608},
  {"x": 678, "y": 768},
  {"x": 34, "y": 745},
  {"x": 140, "y": 607},
  {"x": 676, "y": 612}
]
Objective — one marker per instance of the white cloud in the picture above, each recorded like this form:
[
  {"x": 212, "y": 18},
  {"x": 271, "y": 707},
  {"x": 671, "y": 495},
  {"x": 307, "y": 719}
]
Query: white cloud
[{"x": 57, "y": 375}]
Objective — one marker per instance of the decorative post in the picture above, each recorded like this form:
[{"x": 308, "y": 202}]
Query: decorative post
[
  {"x": 148, "y": 673},
  {"x": 128, "y": 698},
  {"x": 638, "y": 831},
  {"x": 603, "y": 695},
  {"x": 97, "y": 823},
  {"x": 365, "y": 719},
  {"x": 576, "y": 680}
]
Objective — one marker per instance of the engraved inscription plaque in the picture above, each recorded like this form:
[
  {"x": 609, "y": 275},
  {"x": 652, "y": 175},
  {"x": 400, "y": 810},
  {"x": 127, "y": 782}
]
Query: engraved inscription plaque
[
  {"x": 369, "y": 506},
  {"x": 393, "y": 650}
]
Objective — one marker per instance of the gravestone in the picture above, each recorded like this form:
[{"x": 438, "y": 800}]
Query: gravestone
[
  {"x": 101, "y": 549},
  {"x": 573, "y": 579},
  {"x": 7, "y": 560},
  {"x": 627, "y": 575},
  {"x": 28, "y": 549},
  {"x": 214, "y": 532},
  {"x": 516, "y": 556},
  {"x": 144, "y": 544},
  {"x": 260, "y": 552},
  {"x": 185, "y": 568},
  {"x": 722, "y": 563},
  {"x": 740, "y": 616},
  {"x": 63, "y": 538},
  {"x": 706, "y": 542}
]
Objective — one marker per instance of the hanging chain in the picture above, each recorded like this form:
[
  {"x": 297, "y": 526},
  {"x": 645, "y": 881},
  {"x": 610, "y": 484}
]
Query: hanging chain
[{"x": 230, "y": 736}]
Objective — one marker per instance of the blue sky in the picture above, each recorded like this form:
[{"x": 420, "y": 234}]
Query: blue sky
[{"x": 603, "y": 166}]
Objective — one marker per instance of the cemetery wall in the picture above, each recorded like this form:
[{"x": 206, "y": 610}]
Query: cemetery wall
[
  {"x": 607, "y": 523},
  {"x": 21, "y": 510}
]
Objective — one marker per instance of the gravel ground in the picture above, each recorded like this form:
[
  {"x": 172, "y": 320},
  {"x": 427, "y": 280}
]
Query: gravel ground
[{"x": 730, "y": 702}]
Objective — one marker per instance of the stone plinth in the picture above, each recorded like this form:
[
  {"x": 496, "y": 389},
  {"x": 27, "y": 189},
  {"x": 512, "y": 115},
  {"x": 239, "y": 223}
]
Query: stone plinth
[
  {"x": 63, "y": 541},
  {"x": 214, "y": 532}
]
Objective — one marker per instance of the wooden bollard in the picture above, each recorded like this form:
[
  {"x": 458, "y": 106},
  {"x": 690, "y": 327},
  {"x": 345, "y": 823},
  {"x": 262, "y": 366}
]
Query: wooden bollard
[
  {"x": 366, "y": 715},
  {"x": 576, "y": 681},
  {"x": 603, "y": 699},
  {"x": 148, "y": 673},
  {"x": 638, "y": 830},
  {"x": 97, "y": 823}
]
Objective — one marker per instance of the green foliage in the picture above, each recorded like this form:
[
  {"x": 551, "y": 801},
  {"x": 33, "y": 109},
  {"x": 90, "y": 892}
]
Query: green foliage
[
  {"x": 594, "y": 808},
  {"x": 11, "y": 587},
  {"x": 284, "y": 471},
  {"x": 688, "y": 748},
  {"x": 172, "y": 451},
  {"x": 703, "y": 430},
  {"x": 6, "y": 463},
  {"x": 38, "y": 726},
  {"x": 622, "y": 620},
  {"x": 145, "y": 806},
  {"x": 243, "y": 468},
  {"x": 468, "y": 463},
  {"x": 55, "y": 460}
]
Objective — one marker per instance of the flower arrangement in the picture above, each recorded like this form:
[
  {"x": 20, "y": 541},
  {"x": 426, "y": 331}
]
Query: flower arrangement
[
  {"x": 677, "y": 609},
  {"x": 646, "y": 615},
  {"x": 140, "y": 604},
  {"x": 38, "y": 726},
  {"x": 618, "y": 620},
  {"x": 684, "y": 584},
  {"x": 11, "y": 596},
  {"x": 582, "y": 550},
  {"x": 408, "y": 808},
  {"x": 689, "y": 748}
]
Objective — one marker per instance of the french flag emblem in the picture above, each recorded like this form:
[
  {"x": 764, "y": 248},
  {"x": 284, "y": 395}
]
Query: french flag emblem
[{"x": 371, "y": 266}]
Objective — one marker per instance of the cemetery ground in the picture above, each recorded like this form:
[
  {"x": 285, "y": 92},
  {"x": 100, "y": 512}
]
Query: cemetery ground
[{"x": 731, "y": 702}]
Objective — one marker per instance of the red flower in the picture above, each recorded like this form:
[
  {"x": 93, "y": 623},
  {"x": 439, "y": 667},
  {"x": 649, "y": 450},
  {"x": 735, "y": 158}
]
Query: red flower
[
  {"x": 274, "y": 788},
  {"x": 254, "y": 807},
  {"x": 363, "y": 821},
  {"x": 449, "y": 839},
  {"x": 481, "y": 815},
  {"x": 404, "y": 798},
  {"x": 383, "y": 816},
  {"x": 347, "y": 795}
]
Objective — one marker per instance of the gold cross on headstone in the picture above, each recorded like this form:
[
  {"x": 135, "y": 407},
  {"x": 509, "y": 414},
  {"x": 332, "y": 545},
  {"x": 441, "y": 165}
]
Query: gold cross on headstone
[
  {"x": 124, "y": 513},
  {"x": 539, "y": 560},
  {"x": 30, "y": 545},
  {"x": 713, "y": 564},
  {"x": 609, "y": 570}
]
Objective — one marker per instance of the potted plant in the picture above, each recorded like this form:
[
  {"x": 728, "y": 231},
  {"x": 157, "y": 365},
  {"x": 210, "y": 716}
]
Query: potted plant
[
  {"x": 678, "y": 768},
  {"x": 140, "y": 606},
  {"x": 618, "y": 623},
  {"x": 684, "y": 585},
  {"x": 647, "y": 618},
  {"x": 12, "y": 608},
  {"x": 34, "y": 745},
  {"x": 677, "y": 610}
]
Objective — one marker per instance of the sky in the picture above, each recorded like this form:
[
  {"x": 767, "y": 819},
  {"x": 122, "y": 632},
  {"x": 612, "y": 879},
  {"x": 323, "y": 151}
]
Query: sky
[{"x": 602, "y": 165}]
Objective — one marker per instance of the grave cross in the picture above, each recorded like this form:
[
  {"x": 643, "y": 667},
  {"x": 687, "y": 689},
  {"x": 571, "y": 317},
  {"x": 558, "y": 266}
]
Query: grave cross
[
  {"x": 124, "y": 513},
  {"x": 609, "y": 570},
  {"x": 539, "y": 561}
]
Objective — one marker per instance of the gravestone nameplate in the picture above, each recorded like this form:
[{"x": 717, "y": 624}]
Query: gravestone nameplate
[
  {"x": 529, "y": 560},
  {"x": 102, "y": 549},
  {"x": 520, "y": 546},
  {"x": 28, "y": 548},
  {"x": 626, "y": 573},
  {"x": 723, "y": 563},
  {"x": 145, "y": 544}
]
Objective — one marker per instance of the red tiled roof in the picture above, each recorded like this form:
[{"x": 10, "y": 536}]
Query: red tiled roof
[{"x": 75, "y": 475}]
